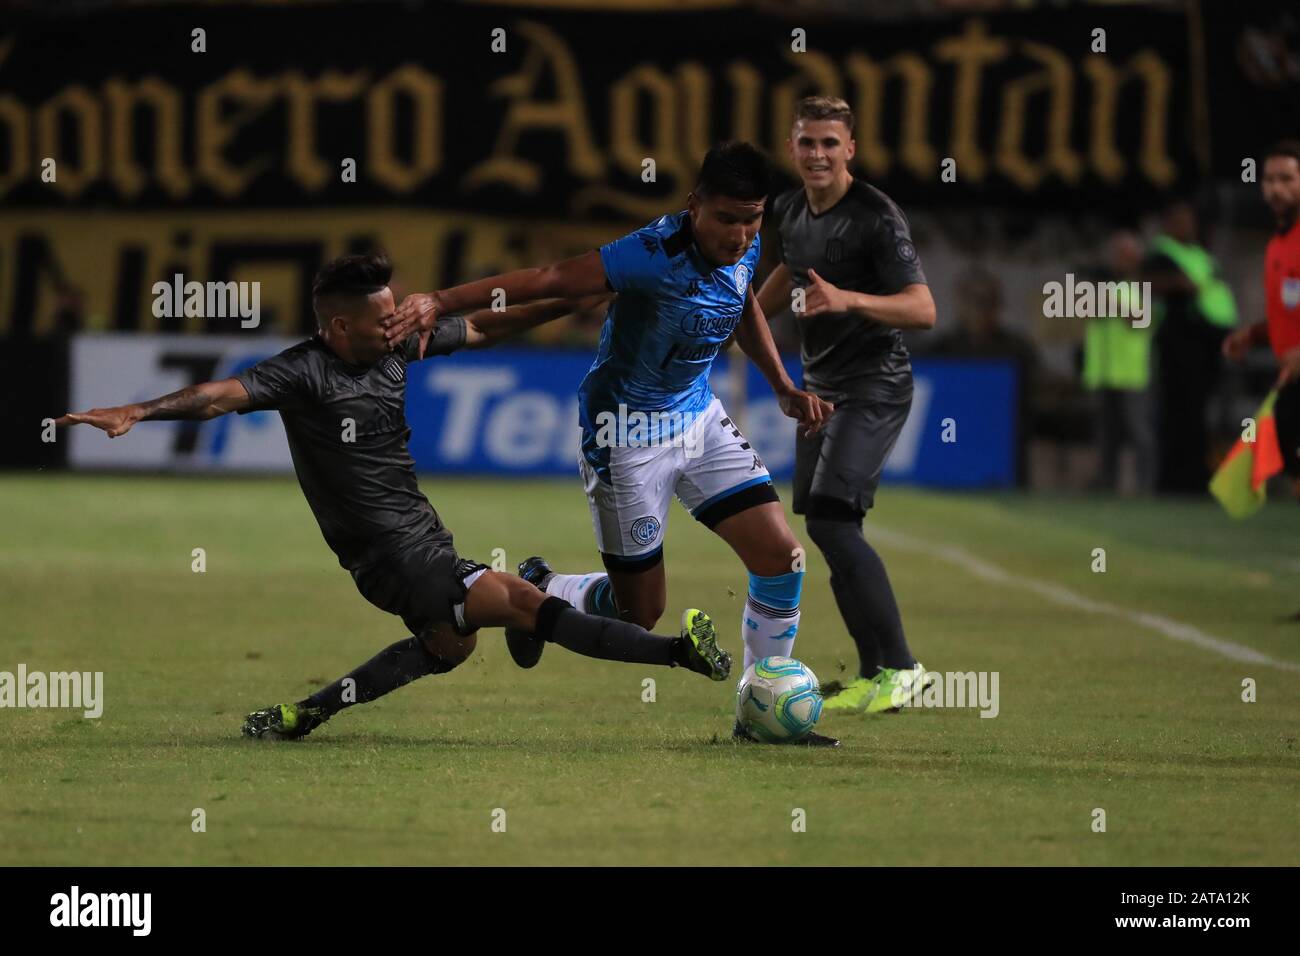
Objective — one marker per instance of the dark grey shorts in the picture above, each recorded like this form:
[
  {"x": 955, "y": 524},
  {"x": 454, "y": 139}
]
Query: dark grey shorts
[
  {"x": 424, "y": 585},
  {"x": 837, "y": 470}
]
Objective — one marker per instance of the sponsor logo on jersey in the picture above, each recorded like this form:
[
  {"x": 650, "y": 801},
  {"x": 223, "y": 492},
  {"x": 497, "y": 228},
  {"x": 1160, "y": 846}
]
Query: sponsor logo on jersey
[{"x": 704, "y": 322}]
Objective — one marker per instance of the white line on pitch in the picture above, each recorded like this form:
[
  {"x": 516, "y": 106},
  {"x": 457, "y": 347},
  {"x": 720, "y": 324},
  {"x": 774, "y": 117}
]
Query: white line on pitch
[{"x": 1174, "y": 630}]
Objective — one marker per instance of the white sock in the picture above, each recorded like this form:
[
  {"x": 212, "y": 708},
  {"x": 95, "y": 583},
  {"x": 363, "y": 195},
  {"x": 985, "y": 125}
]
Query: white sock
[
  {"x": 767, "y": 632},
  {"x": 574, "y": 588}
]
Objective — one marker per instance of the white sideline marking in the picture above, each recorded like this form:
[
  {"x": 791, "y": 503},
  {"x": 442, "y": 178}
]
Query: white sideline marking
[{"x": 1168, "y": 627}]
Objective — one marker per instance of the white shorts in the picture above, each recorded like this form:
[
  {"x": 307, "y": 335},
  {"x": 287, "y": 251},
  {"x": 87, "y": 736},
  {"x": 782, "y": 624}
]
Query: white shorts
[{"x": 705, "y": 469}]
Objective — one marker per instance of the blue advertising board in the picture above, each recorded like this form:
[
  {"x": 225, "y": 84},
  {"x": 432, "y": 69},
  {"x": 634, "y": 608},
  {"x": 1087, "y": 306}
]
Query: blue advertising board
[{"x": 515, "y": 412}]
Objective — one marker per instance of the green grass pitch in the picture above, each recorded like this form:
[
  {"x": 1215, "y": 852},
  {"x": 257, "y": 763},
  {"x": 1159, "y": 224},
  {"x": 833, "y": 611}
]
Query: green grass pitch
[{"x": 1098, "y": 707}]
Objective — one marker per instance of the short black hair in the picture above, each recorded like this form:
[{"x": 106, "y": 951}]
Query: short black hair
[
  {"x": 736, "y": 170},
  {"x": 1285, "y": 147},
  {"x": 349, "y": 277}
]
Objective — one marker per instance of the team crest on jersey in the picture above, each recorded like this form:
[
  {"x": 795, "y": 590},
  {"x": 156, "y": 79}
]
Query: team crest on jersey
[
  {"x": 834, "y": 250},
  {"x": 1291, "y": 292},
  {"x": 645, "y": 530},
  {"x": 394, "y": 368},
  {"x": 740, "y": 275}
]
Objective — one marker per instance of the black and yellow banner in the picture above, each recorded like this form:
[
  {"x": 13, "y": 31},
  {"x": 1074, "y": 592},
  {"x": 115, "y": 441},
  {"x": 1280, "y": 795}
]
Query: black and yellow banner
[{"x": 556, "y": 112}]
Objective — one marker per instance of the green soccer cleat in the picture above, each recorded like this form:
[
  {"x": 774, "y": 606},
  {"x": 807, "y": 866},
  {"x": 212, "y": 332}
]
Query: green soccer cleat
[
  {"x": 896, "y": 688},
  {"x": 852, "y": 698},
  {"x": 701, "y": 643},
  {"x": 283, "y": 722}
]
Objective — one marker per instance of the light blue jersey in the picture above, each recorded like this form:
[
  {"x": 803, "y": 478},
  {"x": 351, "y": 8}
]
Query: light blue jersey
[{"x": 673, "y": 313}]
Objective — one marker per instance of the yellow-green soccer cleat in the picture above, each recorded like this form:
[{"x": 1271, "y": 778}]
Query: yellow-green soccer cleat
[
  {"x": 896, "y": 688},
  {"x": 701, "y": 645},
  {"x": 283, "y": 722},
  {"x": 852, "y": 698}
]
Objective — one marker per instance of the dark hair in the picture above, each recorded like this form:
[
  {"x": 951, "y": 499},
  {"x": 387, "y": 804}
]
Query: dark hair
[
  {"x": 736, "y": 170},
  {"x": 352, "y": 276},
  {"x": 348, "y": 277},
  {"x": 824, "y": 108},
  {"x": 1285, "y": 147}
]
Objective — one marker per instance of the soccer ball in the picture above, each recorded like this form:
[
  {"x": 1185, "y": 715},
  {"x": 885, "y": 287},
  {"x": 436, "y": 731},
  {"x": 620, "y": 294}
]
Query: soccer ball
[{"x": 778, "y": 700}]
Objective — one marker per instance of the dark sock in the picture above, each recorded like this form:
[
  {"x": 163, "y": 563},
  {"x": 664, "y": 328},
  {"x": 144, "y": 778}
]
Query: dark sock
[
  {"x": 604, "y": 638},
  {"x": 391, "y": 668},
  {"x": 868, "y": 646},
  {"x": 863, "y": 594}
]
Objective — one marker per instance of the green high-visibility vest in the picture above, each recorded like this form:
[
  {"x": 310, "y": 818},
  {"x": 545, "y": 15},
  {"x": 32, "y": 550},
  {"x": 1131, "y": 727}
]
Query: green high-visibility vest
[
  {"x": 1116, "y": 355},
  {"x": 1213, "y": 297}
]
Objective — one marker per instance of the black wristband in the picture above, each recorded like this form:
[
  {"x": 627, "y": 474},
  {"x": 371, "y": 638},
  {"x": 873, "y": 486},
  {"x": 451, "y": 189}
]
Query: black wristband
[{"x": 447, "y": 336}]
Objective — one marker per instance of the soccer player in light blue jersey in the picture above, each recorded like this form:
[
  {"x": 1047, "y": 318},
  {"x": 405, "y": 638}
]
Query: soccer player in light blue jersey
[{"x": 651, "y": 425}]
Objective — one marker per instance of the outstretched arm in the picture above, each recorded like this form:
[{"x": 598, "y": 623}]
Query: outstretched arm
[
  {"x": 196, "y": 402},
  {"x": 486, "y": 328},
  {"x": 570, "y": 279}
]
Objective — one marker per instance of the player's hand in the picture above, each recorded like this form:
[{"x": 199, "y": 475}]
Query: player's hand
[
  {"x": 115, "y": 421},
  {"x": 821, "y": 297},
  {"x": 807, "y": 409},
  {"x": 1290, "y": 371},
  {"x": 1236, "y": 345},
  {"x": 418, "y": 313}
]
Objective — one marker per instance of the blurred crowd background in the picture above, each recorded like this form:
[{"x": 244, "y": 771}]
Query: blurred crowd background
[{"x": 1123, "y": 154}]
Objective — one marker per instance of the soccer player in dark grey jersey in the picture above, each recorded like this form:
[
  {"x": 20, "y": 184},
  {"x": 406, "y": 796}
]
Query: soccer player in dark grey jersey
[
  {"x": 341, "y": 396},
  {"x": 853, "y": 278}
]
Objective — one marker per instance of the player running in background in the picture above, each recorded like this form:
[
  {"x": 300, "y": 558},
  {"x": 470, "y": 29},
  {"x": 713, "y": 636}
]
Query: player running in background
[
  {"x": 847, "y": 247},
  {"x": 651, "y": 426},
  {"x": 363, "y": 491},
  {"x": 1281, "y": 328}
]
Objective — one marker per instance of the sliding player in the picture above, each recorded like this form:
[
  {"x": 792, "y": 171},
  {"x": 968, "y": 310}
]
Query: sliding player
[
  {"x": 651, "y": 426},
  {"x": 847, "y": 247},
  {"x": 362, "y": 489}
]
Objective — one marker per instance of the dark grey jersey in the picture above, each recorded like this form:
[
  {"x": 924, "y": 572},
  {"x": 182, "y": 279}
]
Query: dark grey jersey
[
  {"x": 347, "y": 433},
  {"x": 862, "y": 243}
]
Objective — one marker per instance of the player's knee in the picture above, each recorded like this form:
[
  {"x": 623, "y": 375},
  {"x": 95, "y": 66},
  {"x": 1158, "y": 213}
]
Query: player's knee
[
  {"x": 448, "y": 648},
  {"x": 826, "y": 533},
  {"x": 781, "y": 556},
  {"x": 498, "y": 599},
  {"x": 522, "y": 599}
]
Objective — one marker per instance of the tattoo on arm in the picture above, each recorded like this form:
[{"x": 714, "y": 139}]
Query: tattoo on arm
[{"x": 188, "y": 403}]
